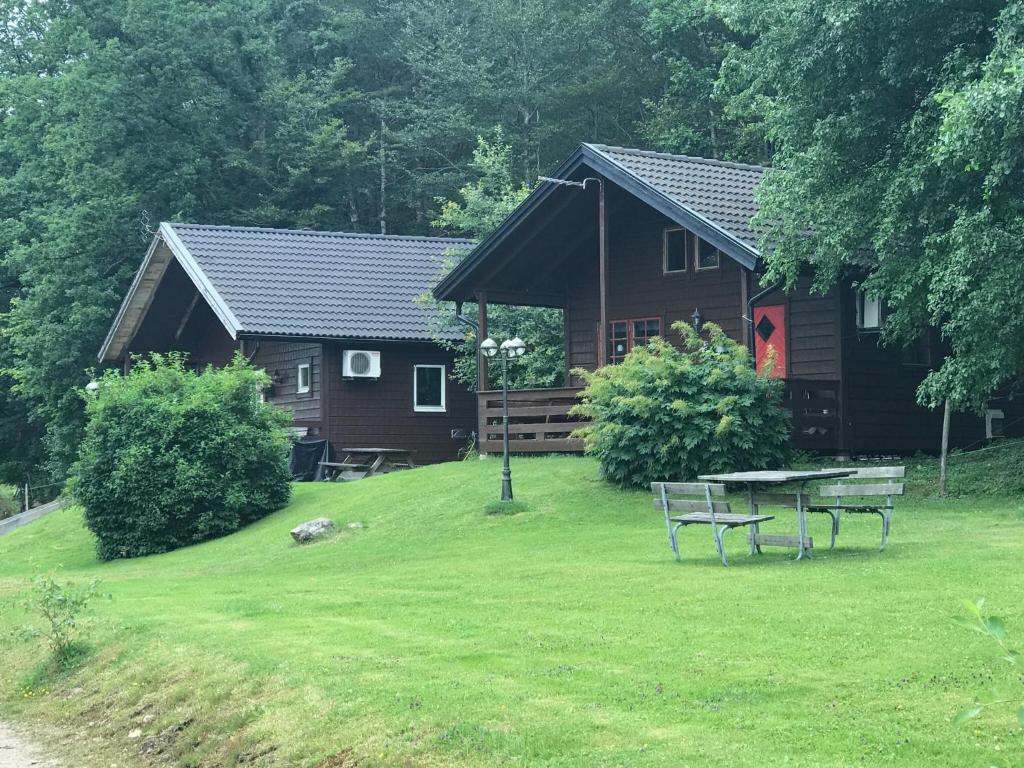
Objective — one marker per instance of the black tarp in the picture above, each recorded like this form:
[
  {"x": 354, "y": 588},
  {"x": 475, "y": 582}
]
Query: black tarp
[{"x": 304, "y": 462}]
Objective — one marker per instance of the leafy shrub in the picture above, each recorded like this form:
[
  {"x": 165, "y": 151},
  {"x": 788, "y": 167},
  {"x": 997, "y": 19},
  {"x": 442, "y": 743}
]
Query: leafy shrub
[
  {"x": 60, "y": 606},
  {"x": 171, "y": 457},
  {"x": 670, "y": 414},
  {"x": 10, "y": 504}
]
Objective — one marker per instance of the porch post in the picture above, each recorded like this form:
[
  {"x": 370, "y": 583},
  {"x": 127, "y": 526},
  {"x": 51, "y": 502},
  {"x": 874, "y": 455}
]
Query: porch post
[
  {"x": 481, "y": 303},
  {"x": 602, "y": 234}
]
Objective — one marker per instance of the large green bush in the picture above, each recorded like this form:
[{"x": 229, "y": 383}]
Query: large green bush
[
  {"x": 670, "y": 414},
  {"x": 171, "y": 457}
]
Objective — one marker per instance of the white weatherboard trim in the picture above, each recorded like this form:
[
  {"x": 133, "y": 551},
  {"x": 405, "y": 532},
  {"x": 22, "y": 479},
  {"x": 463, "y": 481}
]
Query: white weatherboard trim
[
  {"x": 213, "y": 298},
  {"x": 119, "y": 318},
  {"x": 444, "y": 386}
]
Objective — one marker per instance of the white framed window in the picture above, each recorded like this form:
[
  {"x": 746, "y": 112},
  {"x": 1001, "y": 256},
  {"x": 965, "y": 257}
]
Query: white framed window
[
  {"x": 428, "y": 388},
  {"x": 303, "y": 379},
  {"x": 675, "y": 247},
  {"x": 708, "y": 257},
  {"x": 869, "y": 312}
]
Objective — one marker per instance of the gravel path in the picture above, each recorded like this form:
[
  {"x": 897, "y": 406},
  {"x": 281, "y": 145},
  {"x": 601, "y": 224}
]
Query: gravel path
[{"x": 17, "y": 752}]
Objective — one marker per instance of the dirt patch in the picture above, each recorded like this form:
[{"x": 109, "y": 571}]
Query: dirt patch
[{"x": 18, "y": 751}]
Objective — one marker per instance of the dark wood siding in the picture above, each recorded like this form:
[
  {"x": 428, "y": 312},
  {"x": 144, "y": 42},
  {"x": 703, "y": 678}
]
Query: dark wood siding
[
  {"x": 880, "y": 400},
  {"x": 379, "y": 413},
  {"x": 281, "y": 360},
  {"x": 638, "y": 287}
]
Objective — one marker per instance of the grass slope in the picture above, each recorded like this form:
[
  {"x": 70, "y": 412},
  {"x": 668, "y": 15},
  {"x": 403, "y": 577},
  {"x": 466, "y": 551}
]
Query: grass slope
[{"x": 562, "y": 636}]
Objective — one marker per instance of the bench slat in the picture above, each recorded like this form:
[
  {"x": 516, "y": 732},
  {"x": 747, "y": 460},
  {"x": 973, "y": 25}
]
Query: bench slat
[
  {"x": 878, "y": 489},
  {"x": 692, "y": 505},
  {"x": 726, "y": 519},
  {"x": 779, "y": 540},
  {"x": 688, "y": 489},
  {"x": 874, "y": 473}
]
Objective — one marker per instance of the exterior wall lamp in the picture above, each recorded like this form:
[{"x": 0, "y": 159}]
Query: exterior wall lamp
[
  {"x": 697, "y": 320},
  {"x": 510, "y": 349}
]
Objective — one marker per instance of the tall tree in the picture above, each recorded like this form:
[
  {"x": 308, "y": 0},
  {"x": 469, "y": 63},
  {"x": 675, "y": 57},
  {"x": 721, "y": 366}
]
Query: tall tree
[
  {"x": 482, "y": 204},
  {"x": 896, "y": 127},
  {"x": 123, "y": 112}
]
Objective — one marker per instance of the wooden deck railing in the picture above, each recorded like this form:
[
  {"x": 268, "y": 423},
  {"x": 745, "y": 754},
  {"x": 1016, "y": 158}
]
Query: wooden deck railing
[
  {"x": 539, "y": 421},
  {"x": 815, "y": 407}
]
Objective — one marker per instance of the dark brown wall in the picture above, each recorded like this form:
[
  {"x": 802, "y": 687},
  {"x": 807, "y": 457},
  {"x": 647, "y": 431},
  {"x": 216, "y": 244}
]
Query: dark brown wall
[
  {"x": 281, "y": 360},
  {"x": 638, "y": 287},
  {"x": 880, "y": 408},
  {"x": 379, "y": 413}
]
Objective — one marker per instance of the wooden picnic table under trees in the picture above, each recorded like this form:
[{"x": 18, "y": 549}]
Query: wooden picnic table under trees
[{"x": 366, "y": 462}]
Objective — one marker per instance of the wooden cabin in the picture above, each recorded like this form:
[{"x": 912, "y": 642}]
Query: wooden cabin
[
  {"x": 333, "y": 318},
  {"x": 628, "y": 242}
]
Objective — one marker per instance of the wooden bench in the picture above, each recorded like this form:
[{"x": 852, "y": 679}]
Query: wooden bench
[
  {"x": 857, "y": 497},
  {"x": 698, "y": 505},
  {"x": 770, "y": 499}
]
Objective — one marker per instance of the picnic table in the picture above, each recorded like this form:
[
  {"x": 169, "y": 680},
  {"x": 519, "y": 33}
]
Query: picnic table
[
  {"x": 771, "y": 478},
  {"x": 367, "y": 462}
]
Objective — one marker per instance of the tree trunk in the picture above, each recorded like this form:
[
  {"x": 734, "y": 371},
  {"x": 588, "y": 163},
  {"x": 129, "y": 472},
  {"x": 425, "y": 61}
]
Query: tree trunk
[{"x": 945, "y": 449}]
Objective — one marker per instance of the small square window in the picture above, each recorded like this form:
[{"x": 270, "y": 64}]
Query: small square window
[
  {"x": 869, "y": 312},
  {"x": 708, "y": 257},
  {"x": 303, "y": 379},
  {"x": 428, "y": 388},
  {"x": 674, "y": 250}
]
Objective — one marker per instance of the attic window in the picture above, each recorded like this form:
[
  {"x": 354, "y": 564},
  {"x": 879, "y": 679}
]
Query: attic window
[
  {"x": 674, "y": 250},
  {"x": 708, "y": 257},
  {"x": 303, "y": 379},
  {"x": 869, "y": 312}
]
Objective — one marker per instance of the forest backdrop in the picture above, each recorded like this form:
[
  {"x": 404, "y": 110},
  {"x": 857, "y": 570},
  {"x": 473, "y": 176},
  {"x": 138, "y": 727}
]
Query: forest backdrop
[{"x": 898, "y": 123}]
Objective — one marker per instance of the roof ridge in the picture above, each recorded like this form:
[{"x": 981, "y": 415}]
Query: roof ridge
[
  {"x": 320, "y": 232},
  {"x": 671, "y": 156}
]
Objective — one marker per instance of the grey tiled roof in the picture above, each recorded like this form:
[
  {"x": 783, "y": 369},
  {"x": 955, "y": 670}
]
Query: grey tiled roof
[
  {"x": 721, "y": 193},
  {"x": 319, "y": 284}
]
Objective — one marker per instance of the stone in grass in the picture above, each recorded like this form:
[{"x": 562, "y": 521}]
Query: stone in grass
[
  {"x": 355, "y": 526},
  {"x": 313, "y": 529}
]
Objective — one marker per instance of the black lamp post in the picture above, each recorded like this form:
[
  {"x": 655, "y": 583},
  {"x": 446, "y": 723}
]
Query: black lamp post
[{"x": 509, "y": 350}]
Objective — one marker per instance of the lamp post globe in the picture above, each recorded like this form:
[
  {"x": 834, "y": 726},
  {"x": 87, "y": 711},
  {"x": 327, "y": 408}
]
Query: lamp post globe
[{"x": 489, "y": 348}]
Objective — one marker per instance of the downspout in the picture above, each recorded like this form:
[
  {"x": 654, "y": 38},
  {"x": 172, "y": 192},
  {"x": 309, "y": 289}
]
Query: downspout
[
  {"x": 476, "y": 331},
  {"x": 750, "y": 315}
]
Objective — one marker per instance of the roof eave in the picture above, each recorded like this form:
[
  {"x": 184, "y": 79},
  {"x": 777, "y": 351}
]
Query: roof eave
[
  {"x": 448, "y": 289},
  {"x": 129, "y": 297}
]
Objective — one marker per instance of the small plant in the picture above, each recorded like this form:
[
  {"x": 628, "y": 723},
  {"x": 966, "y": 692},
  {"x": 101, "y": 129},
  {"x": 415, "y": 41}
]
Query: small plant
[
  {"x": 61, "y": 606},
  {"x": 504, "y": 507},
  {"x": 671, "y": 414},
  {"x": 992, "y": 627}
]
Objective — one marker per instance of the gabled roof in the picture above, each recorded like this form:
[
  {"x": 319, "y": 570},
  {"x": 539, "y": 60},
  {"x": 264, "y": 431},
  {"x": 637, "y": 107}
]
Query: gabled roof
[
  {"x": 712, "y": 198},
  {"x": 294, "y": 283}
]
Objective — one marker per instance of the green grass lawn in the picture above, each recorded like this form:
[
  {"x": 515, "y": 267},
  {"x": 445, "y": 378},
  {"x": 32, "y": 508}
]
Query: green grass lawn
[{"x": 565, "y": 635}]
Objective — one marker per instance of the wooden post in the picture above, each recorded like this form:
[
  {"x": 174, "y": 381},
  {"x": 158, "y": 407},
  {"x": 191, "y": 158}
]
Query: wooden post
[
  {"x": 26, "y": 497},
  {"x": 945, "y": 449},
  {"x": 481, "y": 304},
  {"x": 602, "y": 235}
]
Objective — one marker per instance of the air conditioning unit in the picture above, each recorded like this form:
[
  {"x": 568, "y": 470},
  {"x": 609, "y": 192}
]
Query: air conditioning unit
[{"x": 360, "y": 364}]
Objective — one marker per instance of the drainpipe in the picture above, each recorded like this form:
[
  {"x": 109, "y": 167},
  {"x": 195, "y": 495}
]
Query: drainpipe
[
  {"x": 750, "y": 315},
  {"x": 476, "y": 331}
]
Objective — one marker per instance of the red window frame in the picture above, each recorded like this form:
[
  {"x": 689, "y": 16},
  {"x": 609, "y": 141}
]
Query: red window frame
[{"x": 630, "y": 336}]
